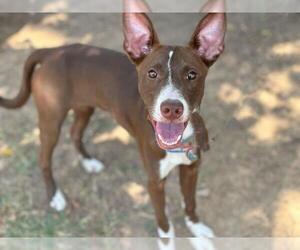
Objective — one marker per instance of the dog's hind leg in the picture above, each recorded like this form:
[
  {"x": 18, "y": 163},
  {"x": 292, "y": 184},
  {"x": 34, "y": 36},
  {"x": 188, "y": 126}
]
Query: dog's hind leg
[
  {"x": 82, "y": 117},
  {"x": 50, "y": 125}
]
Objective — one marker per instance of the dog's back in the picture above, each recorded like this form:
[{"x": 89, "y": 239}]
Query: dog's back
[{"x": 78, "y": 76}]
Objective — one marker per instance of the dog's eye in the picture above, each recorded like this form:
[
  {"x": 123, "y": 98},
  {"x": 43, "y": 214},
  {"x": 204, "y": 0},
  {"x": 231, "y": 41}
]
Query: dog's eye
[
  {"x": 152, "y": 73},
  {"x": 191, "y": 75}
]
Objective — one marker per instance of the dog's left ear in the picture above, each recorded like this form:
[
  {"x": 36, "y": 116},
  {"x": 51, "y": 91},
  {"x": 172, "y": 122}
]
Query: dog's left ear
[{"x": 208, "y": 38}]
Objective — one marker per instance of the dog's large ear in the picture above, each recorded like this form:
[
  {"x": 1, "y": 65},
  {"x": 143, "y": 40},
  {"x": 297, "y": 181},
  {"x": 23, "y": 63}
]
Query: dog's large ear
[
  {"x": 208, "y": 38},
  {"x": 139, "y": 35},
  {"x": 135, "y": 6}
]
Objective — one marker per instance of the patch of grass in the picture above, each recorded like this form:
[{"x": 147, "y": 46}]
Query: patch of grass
[
  {"x": 3, "y": 200},
  {"x": 49, "y": 225},
  {"x": 127, "y": 170},
  {"x": 1, "y": 135},
  {"x": 110, "y": 224},
  {"x": 25, "y": 161},
  {"x": 150, "y": 227}
]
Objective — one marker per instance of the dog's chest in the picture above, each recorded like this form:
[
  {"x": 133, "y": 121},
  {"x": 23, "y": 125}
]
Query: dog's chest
[{"x": 172, "y": 160}]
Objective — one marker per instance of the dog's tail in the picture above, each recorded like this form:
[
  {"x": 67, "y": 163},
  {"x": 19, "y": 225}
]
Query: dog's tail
[{"x": 24, "y": 93}]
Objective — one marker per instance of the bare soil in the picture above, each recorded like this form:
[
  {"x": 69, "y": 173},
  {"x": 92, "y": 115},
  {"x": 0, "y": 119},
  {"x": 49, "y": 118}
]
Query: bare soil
[{"x": 249, "y": 183}]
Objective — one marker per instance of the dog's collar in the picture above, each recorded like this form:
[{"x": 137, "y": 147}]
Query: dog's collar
[{"x": 186, "y": 146}]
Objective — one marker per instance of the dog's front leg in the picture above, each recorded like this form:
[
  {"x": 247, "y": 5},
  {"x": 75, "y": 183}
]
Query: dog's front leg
[
  {"x": 156, "y": 189},
  {"x": 188, "y": 175}
]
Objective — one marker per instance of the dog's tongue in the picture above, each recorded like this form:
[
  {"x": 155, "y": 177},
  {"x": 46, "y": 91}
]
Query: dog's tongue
[{"x": 169, "y": 133}]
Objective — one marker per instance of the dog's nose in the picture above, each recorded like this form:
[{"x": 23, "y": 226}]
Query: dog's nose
[{"x": 171, "y": 109}]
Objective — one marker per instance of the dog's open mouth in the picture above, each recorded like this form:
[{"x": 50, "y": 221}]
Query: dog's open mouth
[{"x": 168, "y": 134}]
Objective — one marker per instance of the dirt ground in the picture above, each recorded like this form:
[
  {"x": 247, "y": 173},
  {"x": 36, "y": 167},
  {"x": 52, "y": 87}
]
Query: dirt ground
[{"x": 249, "y": 183}]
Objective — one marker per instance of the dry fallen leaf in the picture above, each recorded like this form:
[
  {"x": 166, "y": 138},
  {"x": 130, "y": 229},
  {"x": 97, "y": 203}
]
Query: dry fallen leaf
[{"x": 6, "y": 151}]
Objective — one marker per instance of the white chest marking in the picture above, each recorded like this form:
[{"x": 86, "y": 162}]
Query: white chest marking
[{"x": 172, "y": 160}]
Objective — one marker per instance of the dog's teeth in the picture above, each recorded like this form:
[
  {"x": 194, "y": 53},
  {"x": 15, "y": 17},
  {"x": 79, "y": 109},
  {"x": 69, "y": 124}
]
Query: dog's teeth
[
  {"x": 159, "y": 136},
  {"x": 169, "y": 143}
]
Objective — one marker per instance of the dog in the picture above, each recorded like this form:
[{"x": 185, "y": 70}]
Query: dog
[{"x": 154, "y": 92}]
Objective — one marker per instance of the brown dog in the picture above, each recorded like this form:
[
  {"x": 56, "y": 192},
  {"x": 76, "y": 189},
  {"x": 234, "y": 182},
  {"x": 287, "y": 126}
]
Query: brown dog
[{"x": 155, "y": 99}]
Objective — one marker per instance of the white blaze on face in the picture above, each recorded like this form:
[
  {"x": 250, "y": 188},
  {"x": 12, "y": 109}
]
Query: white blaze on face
[
  {"x": 169, "y": 66},
  {"x": 169, "y": 91}
]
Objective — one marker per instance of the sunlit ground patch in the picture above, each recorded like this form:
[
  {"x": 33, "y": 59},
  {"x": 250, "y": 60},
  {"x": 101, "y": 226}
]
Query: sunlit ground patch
[
  {"x": 137, "y": 193},
  {"x": 37, "y": 36},
  {"x": 117, "y": 133},
  {"x": 290, "y": 48},
  {"x": 229, "y": 94},
  {"x": 267, "y": 127},
  {"x": 54, "y": 6},
  {"x": 287, "y": 214}
]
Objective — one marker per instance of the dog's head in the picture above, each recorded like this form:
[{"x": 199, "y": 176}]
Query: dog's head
[{"x": 171, "y": 78}]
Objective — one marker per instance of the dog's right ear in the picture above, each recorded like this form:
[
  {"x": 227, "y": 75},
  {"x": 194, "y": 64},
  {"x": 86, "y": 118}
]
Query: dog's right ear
[
  {"x": 139, "y": 35},
  {"x": 208, "y": 38}
]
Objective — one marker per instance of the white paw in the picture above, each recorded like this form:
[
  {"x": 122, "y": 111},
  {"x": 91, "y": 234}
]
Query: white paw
[
  {"x": 199, "y": 229},
  {"x": 58, "y": 201},
  {"x": 168, "y": 245},
  {"x": 169, "y": 234},
  {"x": 92, "y": 165},
  {"x": 202, "y": 243}
]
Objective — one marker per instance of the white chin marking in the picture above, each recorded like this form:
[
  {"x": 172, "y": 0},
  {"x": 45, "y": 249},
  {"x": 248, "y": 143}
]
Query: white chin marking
[
  {"x": 58, "y": 201},
  {"x": 199, "y": 229},
  {"x": 92, "y": 165}
]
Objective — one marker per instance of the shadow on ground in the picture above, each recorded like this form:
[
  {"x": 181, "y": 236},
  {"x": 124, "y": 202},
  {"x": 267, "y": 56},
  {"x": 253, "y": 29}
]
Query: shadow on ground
[{"x": 249, "y": 183}]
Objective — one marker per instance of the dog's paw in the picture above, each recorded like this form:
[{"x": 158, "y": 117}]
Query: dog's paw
[
  {"x": 170, "y": 234},
  {"x": 58, "y": 201},
  {"x": 166, "y": 239},
  {"x": 198, "y": 229},
  {"x": 202, "y": 243},
  {"x": 166, "y": 244},
  {"x": 92, "y": 165}
]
